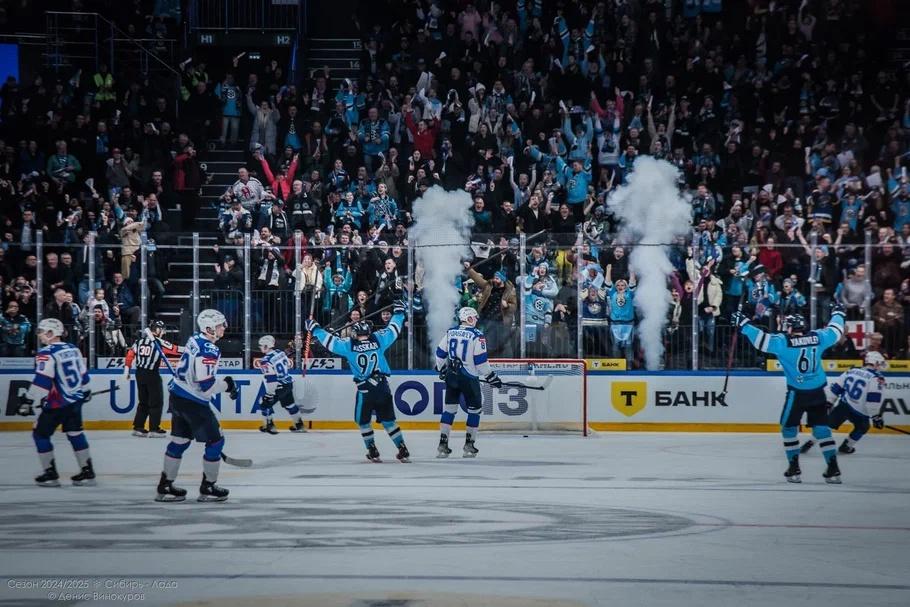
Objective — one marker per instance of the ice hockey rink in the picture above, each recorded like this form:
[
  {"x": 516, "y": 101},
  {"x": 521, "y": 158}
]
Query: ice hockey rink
[{"x": 612, "y": 519}]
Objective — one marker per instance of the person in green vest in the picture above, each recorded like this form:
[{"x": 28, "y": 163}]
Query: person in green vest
[{"x": 105, "y": 96}]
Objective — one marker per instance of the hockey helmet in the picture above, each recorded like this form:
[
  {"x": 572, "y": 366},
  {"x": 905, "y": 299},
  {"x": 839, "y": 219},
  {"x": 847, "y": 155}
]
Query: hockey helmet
[
  {"x": 795, "y": 322},
  {"x": 466, "y": 314},
  {"x": 208, "y": 320},
  {"x": 51, "y": 325},
  {"x": 875, "y": 360},
  {"x": 362, "y": 328},
  {"x": 157, "y": 325},
  {"x": 266, "y": 341}
]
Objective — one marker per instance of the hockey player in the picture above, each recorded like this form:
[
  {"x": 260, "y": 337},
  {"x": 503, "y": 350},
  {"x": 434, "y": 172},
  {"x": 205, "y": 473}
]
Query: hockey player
[
  {"x": 365, "y": 353},
  {"x": 800, "y": 355},
  {"x": 60, "y": 382},
  {"x": 858, "y": 397},
  {"x": 194, "y": 384},
  {"x": 279, "y": 386},
  {"x": 146, "y": 352},
  {"x": 461, "y": 359}
]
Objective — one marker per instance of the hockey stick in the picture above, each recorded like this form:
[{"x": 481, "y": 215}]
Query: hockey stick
[
  {"x": 733, "y": 340},
  {"x": 354, "y": 322},
  {"x": 518, "y": 384},
  {"x": 896, "y": 429},
  {"x": 105, "y": 391},
  {"x": 239, "y": 462},
  {"x": 309, "y": 337}
]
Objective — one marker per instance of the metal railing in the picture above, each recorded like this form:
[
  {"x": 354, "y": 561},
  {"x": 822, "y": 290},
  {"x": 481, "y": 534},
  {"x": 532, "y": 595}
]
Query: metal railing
[
  {"x": 262, "y": 15},
  {"x": 574, "y": 317}
]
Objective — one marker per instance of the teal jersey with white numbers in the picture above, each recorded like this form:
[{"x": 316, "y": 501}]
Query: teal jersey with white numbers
[
  {"x": 365, "y": 357},
  {"x": 800, "y": 356}
]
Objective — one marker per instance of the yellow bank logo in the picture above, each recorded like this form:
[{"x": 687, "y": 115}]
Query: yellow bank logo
[{"x": 629, "y": 397}]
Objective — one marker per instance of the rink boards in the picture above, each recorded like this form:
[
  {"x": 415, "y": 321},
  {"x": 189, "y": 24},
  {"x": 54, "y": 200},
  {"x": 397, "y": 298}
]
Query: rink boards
[{"x": 616, "y": 401}]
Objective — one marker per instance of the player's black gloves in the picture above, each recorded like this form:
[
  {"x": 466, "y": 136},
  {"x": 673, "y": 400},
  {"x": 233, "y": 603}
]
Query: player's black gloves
[
  {"x": 838, "y": 308},
  {"x": 739, "y": 319},
  {"x": 877, "y": 422},
  {"x": 443, "y": 372},
  {"x": 267, "y": 401},
  {"x": 25, "y": 406},
  {"x": 311, "y": 325},
  {"x": 232, "y": 390},
  {"x": 86, "y": 395},
  {"x": 399, "y": 307},
  {"x": 493, "y": 380}
]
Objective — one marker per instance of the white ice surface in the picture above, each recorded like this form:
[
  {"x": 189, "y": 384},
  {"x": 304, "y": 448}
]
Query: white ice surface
[{"x": 615, "y": 519}]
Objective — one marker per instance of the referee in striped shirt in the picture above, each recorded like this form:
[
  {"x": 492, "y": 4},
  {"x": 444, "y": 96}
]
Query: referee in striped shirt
[{"x": 146, "y": 353}]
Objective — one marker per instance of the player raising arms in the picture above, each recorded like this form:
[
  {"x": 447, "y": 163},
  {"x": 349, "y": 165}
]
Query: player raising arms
[
  {"x": 60, "y": 380},
  {"x": 461, "y": 358},
  {"x": 279, "y": 386},
  {"x": 800, "y": 356},
  {"x": 858, "y": 397},
  {"x": 191, "y": 390},
  {"x": 365, "y": 353}
]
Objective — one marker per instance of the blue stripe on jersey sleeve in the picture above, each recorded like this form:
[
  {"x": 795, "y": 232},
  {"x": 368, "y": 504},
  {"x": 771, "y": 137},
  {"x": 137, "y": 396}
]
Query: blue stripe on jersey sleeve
[
  {"x": 874, "y": 397},
  {"x": 440, "y": 352},
  {"x": 43, "y": 381},
  {"x": 481, "y": 358},
  {"x": 207, "y": 383},
  {"x": 271, "y": 378},
  {"x": 837, "y": 389}
]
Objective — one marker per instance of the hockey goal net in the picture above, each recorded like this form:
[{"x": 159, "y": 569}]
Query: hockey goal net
[{"x": 538, "y": 395}]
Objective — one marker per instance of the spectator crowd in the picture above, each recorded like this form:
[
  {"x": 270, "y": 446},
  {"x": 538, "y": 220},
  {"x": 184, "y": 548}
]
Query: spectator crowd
[{"x": 787, "y": 121}]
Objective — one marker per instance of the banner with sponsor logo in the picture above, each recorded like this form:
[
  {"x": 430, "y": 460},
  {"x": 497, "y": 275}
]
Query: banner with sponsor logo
[{"x": 606, "y": 364}]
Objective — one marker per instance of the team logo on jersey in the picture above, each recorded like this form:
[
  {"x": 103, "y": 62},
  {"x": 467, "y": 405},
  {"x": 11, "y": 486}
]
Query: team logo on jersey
[{"x": 629, "y": 397}]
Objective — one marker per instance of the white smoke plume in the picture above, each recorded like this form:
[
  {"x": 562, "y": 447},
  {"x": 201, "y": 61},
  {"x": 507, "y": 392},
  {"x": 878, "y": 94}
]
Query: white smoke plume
[
  {"x": 441, "y": 218},
  {"x": 653, "y": 214}
]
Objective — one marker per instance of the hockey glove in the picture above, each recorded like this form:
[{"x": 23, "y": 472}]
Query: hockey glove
[
  {"x": 268, "y": 401},
  {"x": 86, "y": 395},
  {"x": 443, "y": 372},
  {"x": 399, "y": 307},
  {"x": 739, "y": 319},
  {"x": 311, "y": 325},
  {"x": 232, "y": 390},
  {"x": 838, "y": 308},
  {"x": 877, "y": 422},
  {"x": 493, "y": 380},
  {"x": 25, "y": 406}
]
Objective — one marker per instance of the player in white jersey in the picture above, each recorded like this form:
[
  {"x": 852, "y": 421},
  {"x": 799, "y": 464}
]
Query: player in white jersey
[
  {"x": 191, "y": 390},
  {"x": 858, "y": 394},
  {"x": 279, "y": 386},
  {"x": 461, "y": 358},
  {"x": 60, "y": 384}
]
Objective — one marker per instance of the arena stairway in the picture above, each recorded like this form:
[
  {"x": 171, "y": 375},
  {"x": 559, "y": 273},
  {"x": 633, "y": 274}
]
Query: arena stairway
[{"x": 341, "y": 55}]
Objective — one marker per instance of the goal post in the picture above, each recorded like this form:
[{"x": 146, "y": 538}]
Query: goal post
[{"x": 560, "y": 406}]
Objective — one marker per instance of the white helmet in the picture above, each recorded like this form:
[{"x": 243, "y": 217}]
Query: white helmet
[
  {"x": 53, "y": 325},
  {"x": 466, "y": 314},
  {"x": 875, "y": 360},
  {"x": 266, "y": 341},
  {"x": 209, "y": 319}
]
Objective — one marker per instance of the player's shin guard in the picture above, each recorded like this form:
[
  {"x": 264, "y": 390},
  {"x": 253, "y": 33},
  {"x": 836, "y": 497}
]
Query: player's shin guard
[
  {"x": 448, "y": 416},
  {"x": 394, "y": 432},
  {"x": 791, "y": 441},
  {"x": 366, "y": 433},
  {"x": 45, "y": 450},
  {"x": 172, "y": 456},
  {"x": 473, "y": 424},
  {"x": 80, "y": 447},
  {"x": 211, "y": 460},
  {"x": 825, "y": 441},
  {"x": 294, "y": 412}
]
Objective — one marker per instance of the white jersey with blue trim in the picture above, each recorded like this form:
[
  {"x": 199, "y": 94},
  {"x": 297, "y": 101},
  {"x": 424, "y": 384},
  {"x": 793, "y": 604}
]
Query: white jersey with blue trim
[
  {"x": 60, "y": 376},
  {"x": 861, "y": 388},
  {"x": 468, "y": 345},
  {"x": 276, "y": 370},
  {"x": 195, "y": 376}
]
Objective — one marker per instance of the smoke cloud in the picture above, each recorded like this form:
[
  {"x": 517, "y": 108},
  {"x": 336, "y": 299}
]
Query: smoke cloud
[
  {"x": 653, "y": 214},
  {"x": 441, "y": 218}
]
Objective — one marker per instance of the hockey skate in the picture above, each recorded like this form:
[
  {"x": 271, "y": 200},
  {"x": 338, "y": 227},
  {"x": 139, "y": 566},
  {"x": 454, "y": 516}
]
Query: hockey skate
[
  {"x": 210, "y": 492},
  {"x": 157, "y": 433},
  {"x": 269, "y": 428},
  {"x": 140, "y": 433},
  {"x": 167, "y": 492},
  {"x": 373, "y": 454},
  {"x": 298, "y": 427},
  {"x": 832, "y": 474},
  {"x": 845, "y": 448},
  {"x": 86, "y": 478},
  {"x": 404, "y": 456},
  {"x": 50, "y": 478},
  {"x": 793, "y": 472},
  {"x": 443, "y": 450},
  {"x": 469, "y": 449}
]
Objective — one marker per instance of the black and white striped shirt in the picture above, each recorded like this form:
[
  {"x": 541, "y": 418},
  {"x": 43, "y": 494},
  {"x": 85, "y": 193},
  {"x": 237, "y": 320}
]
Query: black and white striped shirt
[{"x": 146, "y": 355}]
